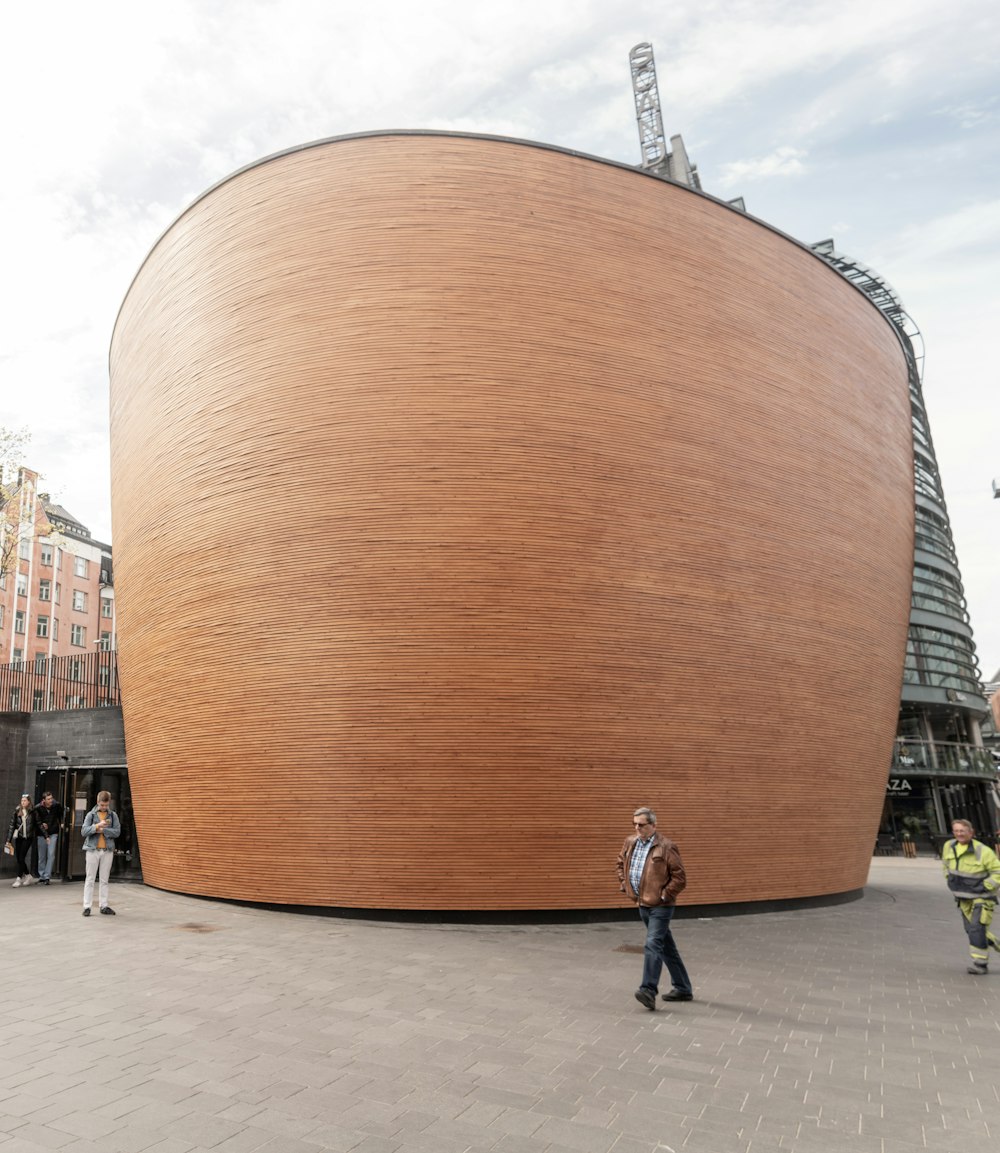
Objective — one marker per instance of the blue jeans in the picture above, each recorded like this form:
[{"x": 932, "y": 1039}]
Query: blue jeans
[
  {"x": 47, "y": 855},
  {"x": 661, "y": 950}
]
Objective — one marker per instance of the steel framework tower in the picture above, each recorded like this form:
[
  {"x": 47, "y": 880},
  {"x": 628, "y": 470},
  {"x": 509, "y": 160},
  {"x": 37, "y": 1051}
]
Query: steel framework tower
[{"x": 671, "y": 162}]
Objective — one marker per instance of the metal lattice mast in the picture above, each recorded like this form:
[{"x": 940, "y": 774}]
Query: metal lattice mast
[{"x": 652, "y": 141}]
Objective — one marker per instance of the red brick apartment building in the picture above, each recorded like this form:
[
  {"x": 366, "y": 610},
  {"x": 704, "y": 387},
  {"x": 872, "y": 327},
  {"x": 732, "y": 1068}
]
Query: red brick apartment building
[{"x": 56, "y": 586}]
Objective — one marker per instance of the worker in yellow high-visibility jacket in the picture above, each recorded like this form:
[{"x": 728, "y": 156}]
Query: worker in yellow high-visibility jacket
[{"x": 973, "y": 873}]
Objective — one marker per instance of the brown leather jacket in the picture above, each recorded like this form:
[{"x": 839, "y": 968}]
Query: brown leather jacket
[{"x": 663, "y": 875}]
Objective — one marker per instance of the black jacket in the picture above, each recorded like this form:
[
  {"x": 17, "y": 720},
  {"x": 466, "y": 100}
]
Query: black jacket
[
  {"x": 51, "y": 817},
  {"x": 15, "y": 824}
]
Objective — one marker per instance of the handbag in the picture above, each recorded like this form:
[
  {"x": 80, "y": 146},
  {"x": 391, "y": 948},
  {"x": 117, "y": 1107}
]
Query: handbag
[{"x": 9, "y": 849}]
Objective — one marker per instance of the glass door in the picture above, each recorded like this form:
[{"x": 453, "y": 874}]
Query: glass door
[
  {"x": 81, "y": 792},
  {"x": 84, "y": 786},
  {"x": 126, "y": 866},
  {"x": 56, "y": 782}
]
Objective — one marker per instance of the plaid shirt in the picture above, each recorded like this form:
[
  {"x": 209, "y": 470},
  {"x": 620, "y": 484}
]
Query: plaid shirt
[{"x": 638, "y": 862}]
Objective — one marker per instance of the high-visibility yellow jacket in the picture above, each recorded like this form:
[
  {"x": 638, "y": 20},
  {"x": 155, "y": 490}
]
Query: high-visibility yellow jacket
[{"x": 972, "y": 870}]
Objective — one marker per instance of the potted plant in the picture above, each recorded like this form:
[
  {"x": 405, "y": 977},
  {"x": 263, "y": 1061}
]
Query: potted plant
[{"x": 911, "y": 829}]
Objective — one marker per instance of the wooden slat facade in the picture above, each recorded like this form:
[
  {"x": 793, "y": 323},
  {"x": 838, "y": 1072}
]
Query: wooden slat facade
[{"x": 467, "y": 495}]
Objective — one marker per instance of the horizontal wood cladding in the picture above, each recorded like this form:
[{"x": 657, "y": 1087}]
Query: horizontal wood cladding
[{"x": 468, "y": 495}]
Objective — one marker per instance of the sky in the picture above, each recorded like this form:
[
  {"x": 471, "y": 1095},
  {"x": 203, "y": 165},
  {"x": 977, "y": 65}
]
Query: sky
[{"x": 875, "y": 124}]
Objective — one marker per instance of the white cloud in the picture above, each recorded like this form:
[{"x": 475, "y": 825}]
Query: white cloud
[
  {"x": 973, "y": 114},
  {"x": 783, "y": 161},
  {"x": 879, "y": 116},
  {"x": 948, "y": 262}
]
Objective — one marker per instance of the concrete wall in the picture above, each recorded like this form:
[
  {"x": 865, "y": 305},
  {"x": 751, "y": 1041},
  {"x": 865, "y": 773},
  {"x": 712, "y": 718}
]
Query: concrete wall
[
  {"x": 31, "y": 741},
  {"x": 88, "y": 736},
  {"x": 13, "y": 754}
]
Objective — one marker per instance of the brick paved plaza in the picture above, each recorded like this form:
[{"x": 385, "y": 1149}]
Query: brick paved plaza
[{"x": 184, "y": 1025}]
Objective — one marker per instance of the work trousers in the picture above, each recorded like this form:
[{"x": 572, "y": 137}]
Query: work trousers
[{"x": 977, "y": 916}]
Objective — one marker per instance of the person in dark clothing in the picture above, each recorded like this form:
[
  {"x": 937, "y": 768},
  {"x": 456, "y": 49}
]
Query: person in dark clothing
[
  {"x": 21, "y": 835},
  {"x": 48, "y": 825}
]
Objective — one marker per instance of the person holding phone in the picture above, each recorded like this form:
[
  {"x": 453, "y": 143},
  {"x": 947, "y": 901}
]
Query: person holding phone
[{"x": 101, "y": 829}]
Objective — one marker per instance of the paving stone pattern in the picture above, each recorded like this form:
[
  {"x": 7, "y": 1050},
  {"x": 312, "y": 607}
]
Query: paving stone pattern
[{"x": 184, "y": 1025}]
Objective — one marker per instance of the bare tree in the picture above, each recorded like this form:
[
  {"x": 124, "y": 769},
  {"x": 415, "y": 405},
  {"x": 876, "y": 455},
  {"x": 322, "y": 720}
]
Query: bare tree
[{"x": 13, "y": 443}]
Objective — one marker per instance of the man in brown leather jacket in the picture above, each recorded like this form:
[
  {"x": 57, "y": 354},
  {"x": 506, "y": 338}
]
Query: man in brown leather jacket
[{"x": 650, "y": 871}]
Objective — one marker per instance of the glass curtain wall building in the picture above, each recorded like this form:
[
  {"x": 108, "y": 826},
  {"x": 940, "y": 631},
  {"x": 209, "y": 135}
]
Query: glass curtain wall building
[{"x": 940, "y": 769}]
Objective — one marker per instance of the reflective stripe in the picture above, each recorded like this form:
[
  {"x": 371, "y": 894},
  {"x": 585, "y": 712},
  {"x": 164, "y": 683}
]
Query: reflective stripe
[
  {"x": 977, "y": 850},
  {"x": 965, "y": 881}
]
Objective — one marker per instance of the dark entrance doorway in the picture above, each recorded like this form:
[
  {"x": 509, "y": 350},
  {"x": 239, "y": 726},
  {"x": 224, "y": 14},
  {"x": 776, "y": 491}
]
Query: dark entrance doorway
[
  {"x": 77, "y": 790},
  {"x": 54, "y": 781}
]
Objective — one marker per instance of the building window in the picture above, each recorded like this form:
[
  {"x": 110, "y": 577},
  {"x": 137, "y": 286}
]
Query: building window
[
  {"x": 80, "y": 566},
  {"x": 24, "y": 550},
  {"x": 47, "y": 555},
  {"x": 77, "y": 636},
  {"x": 3, "y": 580},
  {"x": 79, "y": 601},
  {"x": 76, "y": 669},
  {"x": 40, "y": 660},
  {"x": 42, "y": 627},
  {"x": 22, "y": 584},
  {"x": 55, "y": 628},
  {"x": 1, "y": 616},
  {"x": 38, "y": 700},
  {"x": 19, "y": 621},
  {"x": 15, "y": 699},
  {"x": 105, "y": 642},
  {"x": 74, "y": 702},
  {"x": 107, "y": 609},
  {"x": 45, "y": 590},
  {"x": 58, "y": 593},
  {"x": 18, "y": 656},
  {"x": 104, "y": 675}
]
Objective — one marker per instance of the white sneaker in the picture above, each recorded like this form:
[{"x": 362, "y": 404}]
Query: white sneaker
[
  {"x": 17, "y": 883},
  {"x": 27, "y": 880}
]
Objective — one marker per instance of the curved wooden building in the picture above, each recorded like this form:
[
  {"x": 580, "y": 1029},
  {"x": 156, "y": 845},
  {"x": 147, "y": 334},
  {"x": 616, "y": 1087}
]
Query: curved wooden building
[{"x": 470, "y": 493}]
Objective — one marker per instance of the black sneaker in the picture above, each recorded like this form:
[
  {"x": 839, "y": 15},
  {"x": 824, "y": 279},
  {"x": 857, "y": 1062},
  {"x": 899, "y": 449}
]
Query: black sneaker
[
  {"x": 646, "y": 997},
  {"x": 107, "y": 911},
  {"x": 677, "y": 995},
  {"x": 978, "y": 970},
  {"x": 86, "y": 912}
]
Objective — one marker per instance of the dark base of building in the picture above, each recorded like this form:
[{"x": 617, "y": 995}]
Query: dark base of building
[{"x": 538, "y": 916}]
